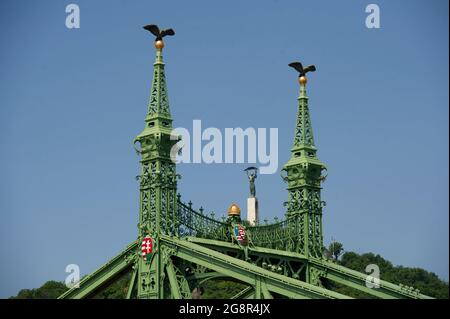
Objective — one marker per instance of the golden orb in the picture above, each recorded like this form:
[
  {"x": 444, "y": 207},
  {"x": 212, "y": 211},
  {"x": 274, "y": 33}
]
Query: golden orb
[
  {"x": 159, "y": 44},
  {"x": 234, "y": 210},
  {"x": 302, "y": 80}
]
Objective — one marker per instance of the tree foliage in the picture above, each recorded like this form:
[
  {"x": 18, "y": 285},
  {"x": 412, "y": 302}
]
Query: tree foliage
[
  {"x": 427, "y": 282},
  {"x": 335, "y": 249},
  {"x": 117, "y": 290},
  {"x": 221, "y": 289},
  {"x": 50, "y": 290}
]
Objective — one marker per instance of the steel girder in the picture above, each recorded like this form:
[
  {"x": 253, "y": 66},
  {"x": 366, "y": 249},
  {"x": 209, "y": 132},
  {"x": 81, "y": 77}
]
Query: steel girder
[
  {"x": 104, "y": 275},
  {"x": 326, "y": 269},
  {"x": 357, "y": 280},
  {"x": 246, "y": 293},
  {"x": 263, "y": 280}
]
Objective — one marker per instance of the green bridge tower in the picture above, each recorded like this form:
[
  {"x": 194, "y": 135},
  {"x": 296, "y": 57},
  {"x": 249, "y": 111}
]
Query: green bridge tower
[
  {"x": 158, "y": 181},
  {"x": 178, "y": 248},
  {"x": 304, "y": 176}
]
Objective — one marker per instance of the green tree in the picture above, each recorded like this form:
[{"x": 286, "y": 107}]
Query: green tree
[
  {"x": 427, "y": 282},
  {"x": 50, "y": 290},
  {"x": 335, "y": 249},
  {"x": 117, "y": 290}
]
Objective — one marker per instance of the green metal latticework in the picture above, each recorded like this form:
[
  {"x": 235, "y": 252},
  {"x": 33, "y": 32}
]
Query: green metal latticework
[{"x": 188, "y": 248}]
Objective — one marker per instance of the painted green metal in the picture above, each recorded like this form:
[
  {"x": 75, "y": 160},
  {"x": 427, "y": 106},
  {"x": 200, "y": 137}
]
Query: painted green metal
[
  {"x": 282, "y": 259},
  {"x": 243, "y": 293},
  {"x": 244, "y": 271},
  {"x": 158, "y": 185},
  {"x": 91, "y": 283},
  {"x": 304, "y": 174},
  {"x": 292, "y": 264}
]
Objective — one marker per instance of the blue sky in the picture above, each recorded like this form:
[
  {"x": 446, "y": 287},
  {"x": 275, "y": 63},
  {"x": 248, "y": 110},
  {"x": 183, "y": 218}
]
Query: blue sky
[{"x": 72, "y": 101}]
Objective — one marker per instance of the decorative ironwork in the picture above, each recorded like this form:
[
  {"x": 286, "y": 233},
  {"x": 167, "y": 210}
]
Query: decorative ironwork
[
  {"x": 193, "y": 223},
  {"x": 159, "y": 101}
]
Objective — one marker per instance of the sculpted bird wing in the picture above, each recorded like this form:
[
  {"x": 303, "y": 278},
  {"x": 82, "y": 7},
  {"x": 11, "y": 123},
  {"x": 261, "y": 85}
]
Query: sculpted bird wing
[
  {"x": 297, "y": 66},
  {"x": 153, "y": 28},
  {"x": 167, "y": 32},
  {"x": 309, "y": 68}
]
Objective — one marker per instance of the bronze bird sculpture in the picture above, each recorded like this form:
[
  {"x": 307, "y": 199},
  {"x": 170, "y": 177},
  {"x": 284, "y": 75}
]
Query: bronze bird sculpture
[
  {"x": 300, "y": 69},
  {"x": 159, "y": 34}
]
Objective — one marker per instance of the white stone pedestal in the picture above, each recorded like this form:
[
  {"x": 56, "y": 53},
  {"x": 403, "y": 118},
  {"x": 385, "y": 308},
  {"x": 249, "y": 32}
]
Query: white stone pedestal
[{"x": 252, "y": 210}]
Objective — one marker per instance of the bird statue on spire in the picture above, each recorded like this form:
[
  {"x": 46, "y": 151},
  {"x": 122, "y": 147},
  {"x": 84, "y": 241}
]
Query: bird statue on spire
[
  {"x": 159, "y": 34},
  {"x": 302, "y": 71}
]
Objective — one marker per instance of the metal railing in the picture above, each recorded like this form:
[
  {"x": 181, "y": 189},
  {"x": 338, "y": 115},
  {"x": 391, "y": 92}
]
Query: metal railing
[
  {"x": 285, "y": 235},
  {"x": 195, "y": 223}
]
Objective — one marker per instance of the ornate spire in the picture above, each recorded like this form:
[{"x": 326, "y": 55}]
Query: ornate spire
[
  {"x": 303, "y": 150},
  {"x": 158, "y": 105},
  {"x": 158, "y": 178},
  {"x": 304, "y": 176},
  {"x": 303, "y": 138},
  {"x": 158, "y": 119}
]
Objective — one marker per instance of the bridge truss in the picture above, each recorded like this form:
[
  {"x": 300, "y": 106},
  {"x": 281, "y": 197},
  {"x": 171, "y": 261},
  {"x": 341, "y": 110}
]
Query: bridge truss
[{"x": 179, "y": 248}]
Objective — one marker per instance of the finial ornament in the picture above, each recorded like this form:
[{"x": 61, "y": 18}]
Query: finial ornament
[
  {"x": 302, "y": 71},
  {"x": 234, "y": 210},
  {"x": 159, "y": 34}
]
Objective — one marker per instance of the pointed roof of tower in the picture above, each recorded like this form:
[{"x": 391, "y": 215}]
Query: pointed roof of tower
[
  {"x": 158, "y": 104},
  {"x": 303, "y": 137},
  {"x": 303, "y": 149},
  {"x": 158, "y": 118}
]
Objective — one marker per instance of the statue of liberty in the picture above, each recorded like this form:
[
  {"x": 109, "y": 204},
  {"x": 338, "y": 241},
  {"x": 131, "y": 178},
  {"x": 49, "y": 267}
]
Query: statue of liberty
[{"x": 251, "y": 174}]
